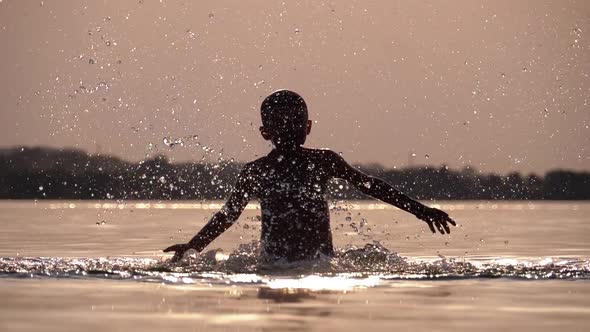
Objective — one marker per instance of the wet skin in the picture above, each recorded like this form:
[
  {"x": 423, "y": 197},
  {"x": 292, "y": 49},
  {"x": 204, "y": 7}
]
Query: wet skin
[{"x": 291, "y": 186}]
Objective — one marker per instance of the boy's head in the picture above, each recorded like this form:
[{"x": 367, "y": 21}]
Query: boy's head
[{"x": 284, "y": 119}]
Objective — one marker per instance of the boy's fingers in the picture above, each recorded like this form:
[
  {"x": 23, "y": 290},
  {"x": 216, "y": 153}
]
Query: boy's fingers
[
  {"x": 451, "y": 221},
  {"x": 171, "y": 248},
  {"x": 431, "y": 226},
  {"x": 440, "y": 228},
  {"x": 446, "y": 227}
]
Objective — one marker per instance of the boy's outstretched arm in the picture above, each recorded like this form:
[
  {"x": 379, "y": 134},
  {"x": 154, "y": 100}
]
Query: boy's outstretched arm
[
  {"x": 377, "y": 188},
  {"x": 221, "y": 220}
]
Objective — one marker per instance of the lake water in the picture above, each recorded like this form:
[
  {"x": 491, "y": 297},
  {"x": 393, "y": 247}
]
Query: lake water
[{"x": 97, "y": 266}]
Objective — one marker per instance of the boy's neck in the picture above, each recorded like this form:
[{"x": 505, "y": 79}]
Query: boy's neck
[{"x": 286, "y": 149}]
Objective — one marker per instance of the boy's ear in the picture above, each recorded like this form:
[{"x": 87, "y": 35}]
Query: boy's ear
[
  {"x": 265, "y": 134},
  {"x": 308, "y": 126}
]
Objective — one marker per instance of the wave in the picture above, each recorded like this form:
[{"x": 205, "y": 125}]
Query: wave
[{"x": 351, "y": 267}]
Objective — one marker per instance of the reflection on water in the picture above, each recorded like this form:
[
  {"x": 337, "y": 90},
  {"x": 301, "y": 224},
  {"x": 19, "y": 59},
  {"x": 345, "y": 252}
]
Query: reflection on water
[{"x": 280, "y": 295}]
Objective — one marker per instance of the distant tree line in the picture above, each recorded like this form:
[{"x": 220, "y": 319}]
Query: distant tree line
[{"x": 45, "y": 173}]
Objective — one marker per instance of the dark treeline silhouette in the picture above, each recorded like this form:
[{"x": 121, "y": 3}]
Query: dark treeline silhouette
[{"x": 46, "y": 173}]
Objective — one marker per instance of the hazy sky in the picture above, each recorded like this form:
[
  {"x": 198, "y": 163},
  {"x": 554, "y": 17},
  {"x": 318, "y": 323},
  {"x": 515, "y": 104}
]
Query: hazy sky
[{"x": 500, "y": 85}]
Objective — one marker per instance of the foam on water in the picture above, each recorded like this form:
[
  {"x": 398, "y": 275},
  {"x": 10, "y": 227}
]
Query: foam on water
[{"x": 353, "y": 267}]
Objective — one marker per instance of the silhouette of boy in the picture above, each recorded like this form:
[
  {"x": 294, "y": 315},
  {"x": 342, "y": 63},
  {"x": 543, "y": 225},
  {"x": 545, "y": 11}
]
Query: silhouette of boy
[{"x": 290, "y": 183}]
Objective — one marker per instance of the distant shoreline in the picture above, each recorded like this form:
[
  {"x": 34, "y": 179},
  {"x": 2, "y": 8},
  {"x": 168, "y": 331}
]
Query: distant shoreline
[{"x": 69, "y": 174}]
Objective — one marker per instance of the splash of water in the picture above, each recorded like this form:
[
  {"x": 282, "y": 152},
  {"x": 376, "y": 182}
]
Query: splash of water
[{"x": 370, "y": 264}]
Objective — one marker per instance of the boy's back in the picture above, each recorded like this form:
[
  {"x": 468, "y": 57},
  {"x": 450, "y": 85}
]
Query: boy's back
[{"x": 291, "y": 187}]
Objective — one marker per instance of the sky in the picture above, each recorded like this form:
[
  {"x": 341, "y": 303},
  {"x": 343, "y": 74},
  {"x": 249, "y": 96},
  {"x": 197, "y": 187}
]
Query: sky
[{"x": 500, "y": 86}]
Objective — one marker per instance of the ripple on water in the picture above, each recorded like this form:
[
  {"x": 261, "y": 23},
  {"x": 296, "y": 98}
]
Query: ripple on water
[{"x": 353, "y": 267}]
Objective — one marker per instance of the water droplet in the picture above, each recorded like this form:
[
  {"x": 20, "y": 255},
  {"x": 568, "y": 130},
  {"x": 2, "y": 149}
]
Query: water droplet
[
  {"x": 426, "y": 156},
  {"x": 91, "y": 61},
  {"x": 297, "y": 30},
  {"x": 525, "y": 69},
  {"x": 167, "y": 142},
  {"x": 364, "y": 222},
  {"x": 191, "y": 35}
]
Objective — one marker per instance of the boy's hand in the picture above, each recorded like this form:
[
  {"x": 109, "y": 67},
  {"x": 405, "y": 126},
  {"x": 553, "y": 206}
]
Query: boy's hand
[
  {"x": 437, "y": 220},
  {"x": 180, "y": 249}
]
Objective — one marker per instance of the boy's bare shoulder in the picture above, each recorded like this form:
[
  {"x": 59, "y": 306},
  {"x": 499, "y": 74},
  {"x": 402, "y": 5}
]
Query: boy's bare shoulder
[
  {"x": 321, "y": 156},
  {"x": 255, "y": 165},
  {"x": 325, "y": 155}
]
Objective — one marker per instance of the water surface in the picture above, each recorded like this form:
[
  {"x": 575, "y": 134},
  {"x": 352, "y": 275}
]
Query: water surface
[{"x": 98, "y": 265}]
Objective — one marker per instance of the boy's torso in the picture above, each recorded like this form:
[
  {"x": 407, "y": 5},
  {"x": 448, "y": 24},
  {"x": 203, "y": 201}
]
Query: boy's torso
[{"x": 291, "y": 187}]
